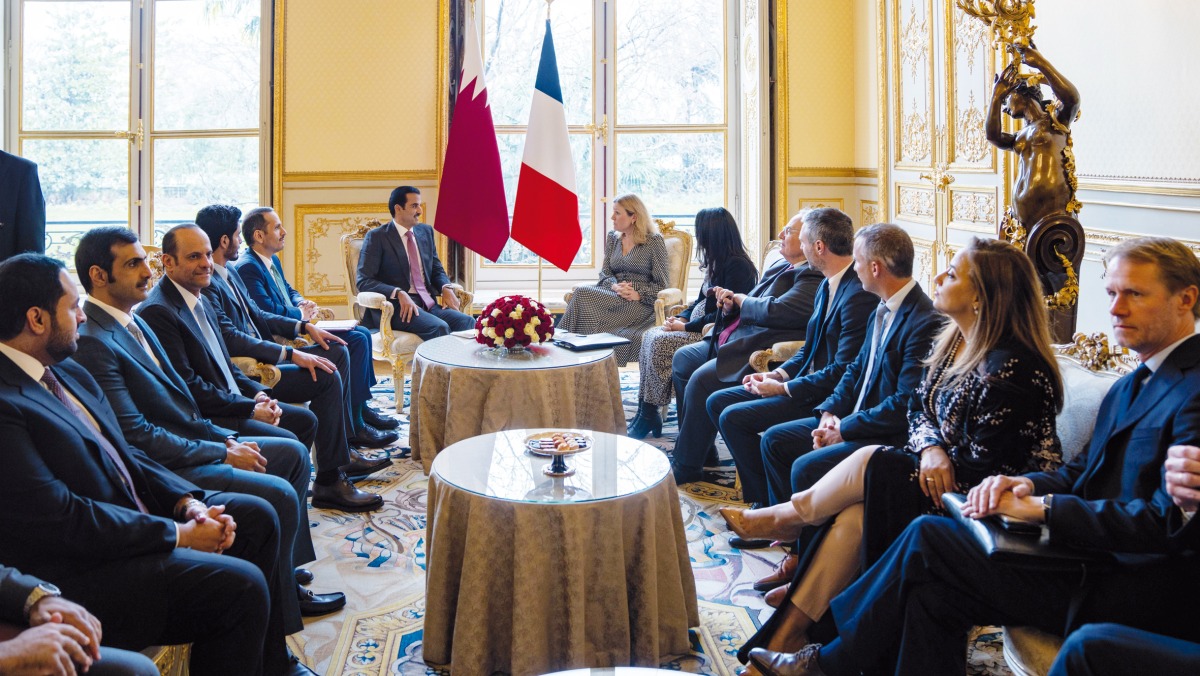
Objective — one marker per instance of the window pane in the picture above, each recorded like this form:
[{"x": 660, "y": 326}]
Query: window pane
[
  {"x": 676, "y": 175},
  {"x": 191, "y": 173},
  {"x": 206, "y": 64},
  {"x": 512, "y": 146},
  {"x": 513, "y": 46},
  {"x": 670, "y": 62},
  {"x": 86, "y": 184},
  {"x": 75, "y": 58}
]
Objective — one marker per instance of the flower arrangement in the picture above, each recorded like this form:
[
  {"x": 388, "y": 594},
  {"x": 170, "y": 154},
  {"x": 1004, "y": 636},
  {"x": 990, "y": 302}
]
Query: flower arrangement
[{"x": 513, "y": 321}]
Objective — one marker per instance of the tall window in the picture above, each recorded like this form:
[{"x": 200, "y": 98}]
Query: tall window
[
  {"x": 138, "y": 113},
  {"x": 646, "y": 90}
]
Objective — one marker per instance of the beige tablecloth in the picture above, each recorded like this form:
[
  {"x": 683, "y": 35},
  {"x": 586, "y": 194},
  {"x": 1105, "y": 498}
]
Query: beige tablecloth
[
  {"x": 452, "y": 403},
  {"x": 526, "y": 588}
]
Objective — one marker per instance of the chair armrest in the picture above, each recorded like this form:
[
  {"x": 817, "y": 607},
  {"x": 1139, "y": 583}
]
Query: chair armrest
[
  {"x": 779, "y": 352},
  {"x": 267, "y": 374},
  {"x": 297, "y": 342},
  {"x": 667, "y": 298},
  {"x": 465, "y": 298},
  {"x": 372, "y": 299},
  {"x": 323, "y": 314}
]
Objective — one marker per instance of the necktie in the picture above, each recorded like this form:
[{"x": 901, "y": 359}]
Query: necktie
[
  {"x": 141, "y": 339},
  {"x": 280, "y": 285},
  {"x": 415, "y": 273},
  {"x": 728, "y": 331},
  {"x": 1140, "y": 375},
  {"x": 249, "y": 321},
  {"x": 52, "y": 384},
  {"x": 214, "y": 348},
  {"x": 876, "y": 338}
]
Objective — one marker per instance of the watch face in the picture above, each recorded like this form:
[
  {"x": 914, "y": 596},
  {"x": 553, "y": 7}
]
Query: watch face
[{"x": 49, "y": 588}]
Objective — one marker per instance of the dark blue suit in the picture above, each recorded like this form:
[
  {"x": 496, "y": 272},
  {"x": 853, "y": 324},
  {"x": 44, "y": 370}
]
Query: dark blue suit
[
  {"x": 934, "y": 583},
  {"x": 383, "y": 268},
  {"x": 156, "y": 412},
  {"x": 249, "y": 277},
  {"x": 22, "y": 207},
  {"x": 67, "y": 517},
  {"x": 834, "y": 341},
  {"x": 1116, "y": 650},
  {"x": 777, "y": 308}
]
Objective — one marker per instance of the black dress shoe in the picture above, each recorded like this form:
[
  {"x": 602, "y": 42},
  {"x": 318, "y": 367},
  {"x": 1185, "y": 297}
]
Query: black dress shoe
[
  {"x": 802, "y": 663},
  {"x": 361, "y": 467},
  {"x": 304, "y": 576},
  {"x": 342, "y": 495},
  {"x": 738, "y": 542},
  {"x": 369, "y": 437},
  {"x": 319, "y": 604},
  {"x": 297, "y": 668},
  {"x": 378, "y": 420}
]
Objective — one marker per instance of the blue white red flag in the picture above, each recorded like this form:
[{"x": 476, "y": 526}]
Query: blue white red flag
[
  {"x": 471, "y": 207},
  {"x": 546, "y": 215}
]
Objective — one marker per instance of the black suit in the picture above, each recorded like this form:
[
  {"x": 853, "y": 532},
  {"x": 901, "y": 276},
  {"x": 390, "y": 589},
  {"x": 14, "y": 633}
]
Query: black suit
[
  {"x": 777, "y": 308},
  {"x": 835, "y": 332},
  {"x": 156, "y": 412},
  {"x": 934, "y": 583},
  {"x": 66, "y": 516},
  {"x": 383, "y": 268},
  {"x": 22, "y": 207}
]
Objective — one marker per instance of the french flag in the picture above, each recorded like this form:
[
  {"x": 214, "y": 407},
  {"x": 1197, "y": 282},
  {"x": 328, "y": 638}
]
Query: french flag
[
  {"x": 472, "y": 209},
  {"x": 546, "y": 215}
]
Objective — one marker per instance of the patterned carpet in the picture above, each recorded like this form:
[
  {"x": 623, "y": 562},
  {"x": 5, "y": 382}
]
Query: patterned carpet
[{"x": 378, "y": 560}]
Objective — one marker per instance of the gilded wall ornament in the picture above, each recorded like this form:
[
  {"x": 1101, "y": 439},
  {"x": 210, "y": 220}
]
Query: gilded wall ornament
[
  {"x": 969, "y": 37},
  {"x": 916, "y": 202},
  {"x": 973, "y": 207},
  {"x": 914, "y": 135},
  {"x": 914, "y": 42},
  {"x": 971, "y": 141}
]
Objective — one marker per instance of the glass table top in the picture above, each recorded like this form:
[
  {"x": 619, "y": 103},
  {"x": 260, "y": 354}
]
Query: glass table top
[
  {"x": 466, "y": 353},
  {"x": 498, "y": 466}
]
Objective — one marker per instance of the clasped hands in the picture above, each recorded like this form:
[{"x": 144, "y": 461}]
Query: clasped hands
[
  {"x": 768, "y": 384},
  {"x": 266, "y": 409},
  {"x": 625, "y": 290},
  {"x": 828, "y": 432},
  {"x": 62, "y": 635},
  {"x": 206, "y": 529}
]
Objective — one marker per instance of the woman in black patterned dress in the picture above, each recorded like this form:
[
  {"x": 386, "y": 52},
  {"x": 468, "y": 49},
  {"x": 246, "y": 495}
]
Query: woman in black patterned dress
[
  {"x": 987, "y": 405},
  {"x": 726, "y": 264},
  {"x": 635, "y": 270}
]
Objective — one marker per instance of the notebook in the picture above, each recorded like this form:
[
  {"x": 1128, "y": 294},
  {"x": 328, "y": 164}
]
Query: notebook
[{"x": 596, "y": 341}]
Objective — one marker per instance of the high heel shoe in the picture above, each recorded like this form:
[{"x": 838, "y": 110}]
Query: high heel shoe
[{"x": 648, "y": 421}]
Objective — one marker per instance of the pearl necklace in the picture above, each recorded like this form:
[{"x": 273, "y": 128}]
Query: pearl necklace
[{"x": 941, "y": 374}]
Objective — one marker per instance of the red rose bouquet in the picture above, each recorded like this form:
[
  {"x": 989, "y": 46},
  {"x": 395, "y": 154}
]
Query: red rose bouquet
[{"x": 512, "y": 321}]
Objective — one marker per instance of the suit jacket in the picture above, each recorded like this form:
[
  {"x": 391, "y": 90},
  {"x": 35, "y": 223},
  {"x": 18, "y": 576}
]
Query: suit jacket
[
  {"x": 62, "y": 500},
  {"x": 898, "y": 367},
  {"x": 777, "y": 308},
  {"x": 1111, "y": 497},
  {"x": 153, "y": 405},
  {"x": 250, "y": 317},
  {"x": 383, "y": 264},
  {"x": 738, "y": 275},
  {"x": 176, "y": 328},
  {"x": 262, "y": 290},
  {"x": 22, "y": 207},
  {"x": 15, "y": 588},
  {"x": 834, "y": 338}
]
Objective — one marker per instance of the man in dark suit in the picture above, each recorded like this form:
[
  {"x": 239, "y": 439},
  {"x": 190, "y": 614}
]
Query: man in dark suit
[
  {"x": 22, "y": 207},
  {"x": 911, "y": 611},
  {"x": 114, "y": 530},
  {"x": 1117, "y": 650},
  {"x": 229, "y": 292},
  {"x": 868, "y": 405},
  {"x": 776, "y": 309},
  {"x": 835, "y": 336},
  {"x": 157, "y": 412},
  {"x": 389, "y": 257},
  {"x": 175, "y": 310},
  {"x": 43, "y": 633}
]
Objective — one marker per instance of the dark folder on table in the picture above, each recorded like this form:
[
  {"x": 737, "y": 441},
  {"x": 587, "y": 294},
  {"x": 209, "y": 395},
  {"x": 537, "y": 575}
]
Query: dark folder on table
[
  {"x": 597, "y": 341},
  {"x": 1033, "y": 550}
]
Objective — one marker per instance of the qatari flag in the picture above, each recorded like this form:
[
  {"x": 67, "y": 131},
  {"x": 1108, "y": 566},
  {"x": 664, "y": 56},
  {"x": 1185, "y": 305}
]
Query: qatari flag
[
  {"x": 546, "y": 216},
  {"x": 471, "y": 208}
]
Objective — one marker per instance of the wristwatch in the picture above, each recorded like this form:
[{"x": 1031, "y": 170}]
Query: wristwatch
[
  {"x": 39, "y": 592},
  {"x": 1047, "y": 499},
  {"x": 287, "y": 353}
]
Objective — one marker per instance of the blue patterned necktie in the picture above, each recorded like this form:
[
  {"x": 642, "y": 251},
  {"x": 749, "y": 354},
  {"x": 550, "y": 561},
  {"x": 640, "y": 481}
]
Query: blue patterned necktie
[
  {"x": 881, "y": 313},
  {"x": 214, "y": 347}
]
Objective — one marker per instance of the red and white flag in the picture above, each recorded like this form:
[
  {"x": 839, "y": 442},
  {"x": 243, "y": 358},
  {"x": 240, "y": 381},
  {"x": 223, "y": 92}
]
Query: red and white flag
[
  {"x": 471, "y": 207},
  {"x": 546, "y": 215}
]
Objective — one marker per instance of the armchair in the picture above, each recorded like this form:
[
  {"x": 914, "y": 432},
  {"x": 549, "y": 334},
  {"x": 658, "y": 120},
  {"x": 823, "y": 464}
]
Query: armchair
[
  {"x": 679, "y": 254},
  {"x": 387, "y": 344}
]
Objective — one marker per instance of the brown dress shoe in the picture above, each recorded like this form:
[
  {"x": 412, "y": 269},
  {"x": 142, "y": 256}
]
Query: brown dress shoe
[
  {"x": 776, "y": 596},
  {"x": 343, "y": 495},
  {"x": 783, "y": 573},
  {"x": 802, "y": 663}
]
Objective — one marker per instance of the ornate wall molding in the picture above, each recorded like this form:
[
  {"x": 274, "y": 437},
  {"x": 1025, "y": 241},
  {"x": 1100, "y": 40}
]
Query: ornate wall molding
[
  {"x": 974, "y": 210},
  {"x": 818, "y": 172},
  {"x": 1099, "y": 241},
  {"x": 869, "y": 213},
  {"x": 320, "y": 272},
  {"x": 915, "y": 202},
  {"x": 822, "y": 202}
]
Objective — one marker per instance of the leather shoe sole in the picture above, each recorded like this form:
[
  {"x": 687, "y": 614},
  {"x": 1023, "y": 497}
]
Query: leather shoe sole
[
  {"x": 304, "y": 576},
  {"x": 378, "y": 420},
  {"x": 342, "y": 495},
  {"x": 320, "y": 604},
  {"x": 744, "y": 543}
]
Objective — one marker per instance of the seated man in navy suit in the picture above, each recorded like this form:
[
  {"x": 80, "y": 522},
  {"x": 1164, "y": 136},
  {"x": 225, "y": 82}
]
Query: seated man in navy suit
[
  {"x": 118, "y": 533},
  {"x": 262, "y": 273},
  {"x": 40, "y": 632},
  {"x": 159, "y": 414},
  {"x": 910, "y": 613},
  {"x": 22, "y": 207},
  {"x": 400, "y": 261},
  {"x": 229, "y": 291}
]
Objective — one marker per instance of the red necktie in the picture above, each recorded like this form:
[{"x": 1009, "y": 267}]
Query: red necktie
[
  {"x": 415, "y": 273},
  {"x": 728, "y": 331}
]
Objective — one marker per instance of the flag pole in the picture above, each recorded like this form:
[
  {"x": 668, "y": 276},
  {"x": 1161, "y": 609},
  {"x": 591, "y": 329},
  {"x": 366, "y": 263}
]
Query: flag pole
[{"x": 539, "y": 290}]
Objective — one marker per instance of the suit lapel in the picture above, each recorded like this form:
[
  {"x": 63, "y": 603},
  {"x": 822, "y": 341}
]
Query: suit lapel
[
  {"x": 122, "y": 338},
  {"x": 768, "y": 279},
  {"x": 113, "y": 435},
  {"x": 391, "y": 237},
  {"x": 189, "y": 320}
]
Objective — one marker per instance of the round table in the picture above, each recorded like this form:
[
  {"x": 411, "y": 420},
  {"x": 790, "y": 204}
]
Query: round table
[
  {"x": 529, "y": 574},
  {"x": 461, "y": 389}
]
